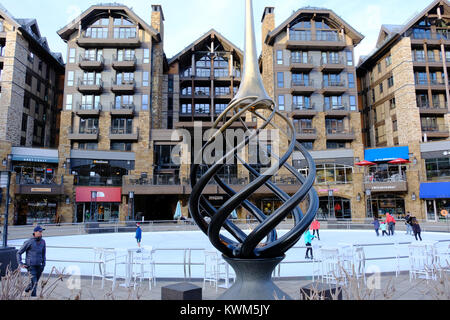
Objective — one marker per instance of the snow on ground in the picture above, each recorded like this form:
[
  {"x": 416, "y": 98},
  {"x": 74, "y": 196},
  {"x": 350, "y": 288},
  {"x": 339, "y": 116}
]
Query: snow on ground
[{"x": 196, "y": 239}]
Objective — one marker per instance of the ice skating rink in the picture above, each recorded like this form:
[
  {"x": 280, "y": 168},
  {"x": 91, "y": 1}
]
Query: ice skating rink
[{"x": 161, "y": 241}]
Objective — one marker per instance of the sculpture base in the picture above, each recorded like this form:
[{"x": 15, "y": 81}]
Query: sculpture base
[
  {"x": 254, "y": 280},
  {"x": 7, "y": 259}
]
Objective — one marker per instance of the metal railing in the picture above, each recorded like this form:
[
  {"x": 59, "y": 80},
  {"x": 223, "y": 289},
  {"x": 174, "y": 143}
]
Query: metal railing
[
  {"x": 331, "y": 131},
  {"x": 432, "y": 106},
  {"x": 332, "y": 60},
  {"x": 97, "y": 106},
  {"x": 31, "y": 180},
  {"x": 122, "y": 106},
  {"x": 302, "y": 83},
  {"x": 93, "y": 82},
  {"x": 300, "y": 36},
  {"x": 336, "y": 107},
  {"x": 125, "y": 58},
  {"x": 83, "y": 130},
  {"x": 300, "y": 60},
  {"x": 304, "y": 107},
  {"x": 97, "y": 181},
  {"x": 97, "y": 58},
  {"x": 385, "y": 176},
  {"x": 123, "y": 82},
  {"x": 333, "y": 83},
  {"x": 437, "y": 128}
]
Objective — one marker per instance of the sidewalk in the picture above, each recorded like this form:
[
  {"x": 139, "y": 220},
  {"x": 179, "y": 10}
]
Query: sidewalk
[{"x": 404, "y": 290}]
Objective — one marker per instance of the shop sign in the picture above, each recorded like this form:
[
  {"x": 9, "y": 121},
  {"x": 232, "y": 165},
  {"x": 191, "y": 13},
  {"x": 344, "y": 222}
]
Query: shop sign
[
  {"x": 101, "y": 162},
  {"x": 41, "y": 189},
  {"x": 84, "y": 194}
]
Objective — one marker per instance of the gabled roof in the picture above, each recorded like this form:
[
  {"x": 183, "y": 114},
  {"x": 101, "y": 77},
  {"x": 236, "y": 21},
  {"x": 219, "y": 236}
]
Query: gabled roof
[
  {"x": 395, "y": 32},
  {"x": 205, "y": 36},
  {"x": 92, "y": 12},
  {"x": 30, "y": 29},
  {"x": 357, "y": 37}
]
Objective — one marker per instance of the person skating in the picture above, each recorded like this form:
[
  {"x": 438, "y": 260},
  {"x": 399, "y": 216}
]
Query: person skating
[
  {"x": 416, "y": 229},
  {"x": 35, "y": 259},
  {"x": 315, "y": 226},
  {"x": 391, "y": 223},
  {"x": 383, "y": 229},
  {"x": 308, "y": 239},
  {"x": 408, "y": 221},
  {"x": 138, "y": 235},
  {"x": 376, "y": 225}
]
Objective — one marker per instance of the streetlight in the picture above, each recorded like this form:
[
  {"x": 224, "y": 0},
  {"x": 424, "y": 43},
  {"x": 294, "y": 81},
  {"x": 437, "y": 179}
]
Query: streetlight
[{"x": 7, "y": 254}]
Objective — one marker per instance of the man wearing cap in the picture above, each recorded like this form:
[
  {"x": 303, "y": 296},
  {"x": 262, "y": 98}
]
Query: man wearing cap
[{"x": 35, "y": 258}]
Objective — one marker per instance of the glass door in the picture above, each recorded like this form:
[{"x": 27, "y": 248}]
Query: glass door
[{"x": 431, "y": 210}]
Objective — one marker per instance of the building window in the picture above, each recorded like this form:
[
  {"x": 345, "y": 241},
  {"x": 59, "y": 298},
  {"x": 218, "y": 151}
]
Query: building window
[
  {"x": 121, "y": 146},
  {"x": 394, "y": 125},
  {"x": 186, "y": 108},
  {"x": 202, "y": 108},
  {"x": 87, "y": 146},
  {"x": 28, "y": 78},
  {"x": 388, "y": 60},
  {"x": 96, "y": 33},
  {"x": 381, "y": 88},
  {"x": 379, "y": 67},
  {"x": 69, "y": 102},
  {"x": 281, "y": 103},
  {"x": 438, "y": 169},
  {"x": 279, "y": 56},
  {"x": 352, "y": 103},
  {"x": 144, "y": 102},
  {"x": 123, "y": 102},
  {"x": 301, "y": 103},
  {"x": 24, "y": 122},
  {"x": 391, "y": 81},
  {"x": 26, "y": 102},
  {"x": 30, "y": 57},
  {"x": 349, "y": 56},
  {"x": 351, "y": 80},
  {"x": 146, "y": 58},
  {"x": 308, "y": 145},
  {"x": 392, "y": 103},
  {"x": 335, "y": 145},
  {"x": 280, "y": 79},
  {"x": 70, "y": 78},
  {"x": 145, "y": 79}
]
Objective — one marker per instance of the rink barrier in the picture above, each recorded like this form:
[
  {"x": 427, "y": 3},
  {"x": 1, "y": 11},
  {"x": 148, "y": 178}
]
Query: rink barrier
[
  {"x": 66, "y": 229},
  {"x": 187, "y": 262}
]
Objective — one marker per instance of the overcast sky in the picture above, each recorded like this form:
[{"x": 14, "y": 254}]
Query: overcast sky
[{"x": 187, "y": 20}]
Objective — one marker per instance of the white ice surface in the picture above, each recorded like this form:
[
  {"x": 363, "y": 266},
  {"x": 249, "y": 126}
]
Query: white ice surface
[{"x": 196, "y": 239}]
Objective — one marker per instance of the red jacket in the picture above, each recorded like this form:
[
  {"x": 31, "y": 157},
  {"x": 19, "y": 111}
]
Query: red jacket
[{"x": 315, "y": 225}]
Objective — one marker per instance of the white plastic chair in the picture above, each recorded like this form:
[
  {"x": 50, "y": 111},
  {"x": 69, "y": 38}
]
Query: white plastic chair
[
  {"x": 213, "y": 268},
  {"x": 332, "y": 266},
  {"x": 96, "y": 262},
  {"x": 397, "y": 257},
  {"x": 359, "y": 263},
  {"x": 420, "y": 263},
  {"x": 346, "y": 256},
  {"x": 107, "y": 260},
  {"x": 143, "y": 266},
  {"x": 316, "y": 262}
]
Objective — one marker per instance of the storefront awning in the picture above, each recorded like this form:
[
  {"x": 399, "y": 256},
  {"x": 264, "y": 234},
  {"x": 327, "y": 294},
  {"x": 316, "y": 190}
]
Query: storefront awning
[
  {"x": 386, "y": 154},
  {"x": 435, "y": 190},
  {"x": 16, "y": 157}
]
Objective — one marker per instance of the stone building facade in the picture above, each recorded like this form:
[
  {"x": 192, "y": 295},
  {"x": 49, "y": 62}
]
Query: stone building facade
[{"x": 404, "y": 95}]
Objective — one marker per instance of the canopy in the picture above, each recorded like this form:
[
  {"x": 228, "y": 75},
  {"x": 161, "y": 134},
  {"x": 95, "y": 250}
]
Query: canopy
[
  {"x": 365, "y": 163},
  {"x": 399, "y": 161}
]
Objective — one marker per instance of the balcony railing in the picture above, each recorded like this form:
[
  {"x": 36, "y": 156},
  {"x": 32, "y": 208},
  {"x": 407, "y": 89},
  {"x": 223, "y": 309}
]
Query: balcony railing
[
  {"x": 221, "y": 73},
  {"x": 302, "y": 83},
  {"x": 436, "y": 128},
  {"x": 90, "y": 82},
  {"x": 304, "y": 106},
  {"x": 332, "y": 60},
  {"x": 123, "y": 106},
  {"x": 125, "y": 58},
  {"x": 301, "y": 60},
  {"x": 432, "y": 106},
  {"x": 203, "y": 73},
  {"x": 385, "y": 176},
  {"x": 40, "y": 180},
  {"x": 328, "y": 36},
  {"x": 432, "y": 82},
  {"x": 85, "y": 131},
  {"x": 300, "y": 36},
  {"x": 86, "y": 107},
  {"x": 122, "y": 130},
  {"x": 332, "y": 131},
  {"x": 332, "y": 84},
  {"x": 97, "y": 181},
  {"x": 342, "y": 107},
  {"x": 305, "y": 130},
  {"x": 99, "y": 58}
]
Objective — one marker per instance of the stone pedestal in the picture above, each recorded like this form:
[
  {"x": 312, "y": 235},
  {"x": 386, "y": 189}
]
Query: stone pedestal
[
  {"x": 7, "y": 258},
  {"x": 254, "y": 280},
  {"x": 181, "y": 291},
  {"x": 320, "y": 291}
]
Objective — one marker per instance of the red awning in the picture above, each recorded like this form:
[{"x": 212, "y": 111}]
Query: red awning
[
  {"x": 84, "y": 194},
  {"x": 399, "y": 161},
  {"x": 365, "y": 163}
]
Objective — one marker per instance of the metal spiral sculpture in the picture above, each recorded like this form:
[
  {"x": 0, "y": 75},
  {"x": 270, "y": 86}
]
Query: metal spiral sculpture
[{"x": 252, "y": 97}]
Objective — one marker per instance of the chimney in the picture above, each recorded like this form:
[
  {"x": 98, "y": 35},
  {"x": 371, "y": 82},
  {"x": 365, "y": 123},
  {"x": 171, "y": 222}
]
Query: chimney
[{"x": 158, "y": 19}]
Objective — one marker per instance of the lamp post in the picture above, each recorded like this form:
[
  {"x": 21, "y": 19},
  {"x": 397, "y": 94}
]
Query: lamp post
[{"x": 7, "y": 254}]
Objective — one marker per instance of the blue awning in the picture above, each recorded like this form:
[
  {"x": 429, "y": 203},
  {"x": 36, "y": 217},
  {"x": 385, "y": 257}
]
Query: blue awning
[
  {"x": 435, "y": 190},
  {"x": 17, "y": 157},
  {"x": 386, "y": 154}
]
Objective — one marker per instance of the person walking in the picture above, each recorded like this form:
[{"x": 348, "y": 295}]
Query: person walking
[
  {"x": 376, "y": 225},
  {"x": 383, "y": 229},
  {"x": 308, "y": 239},
  {"x": 35, "y": 259},
  {"x": 315, "y": 226},
  {"x": 138, "y": 235},
  {"x": 408, "y": 220},
  {"x": 416, "y": 229}
]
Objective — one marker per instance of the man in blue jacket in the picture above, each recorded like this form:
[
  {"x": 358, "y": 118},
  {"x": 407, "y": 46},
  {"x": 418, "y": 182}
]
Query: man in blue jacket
[{"x": 35, "y": 259}]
